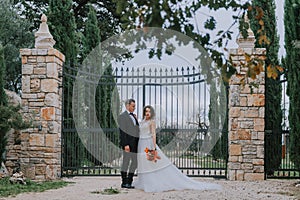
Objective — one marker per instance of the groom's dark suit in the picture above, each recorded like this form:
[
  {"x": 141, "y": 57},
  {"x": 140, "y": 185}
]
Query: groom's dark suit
[{"x": 129, "y": 135}]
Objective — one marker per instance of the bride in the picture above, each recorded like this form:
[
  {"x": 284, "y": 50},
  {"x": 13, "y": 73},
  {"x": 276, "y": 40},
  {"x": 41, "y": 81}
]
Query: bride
[{"x": 157, "y": 174}]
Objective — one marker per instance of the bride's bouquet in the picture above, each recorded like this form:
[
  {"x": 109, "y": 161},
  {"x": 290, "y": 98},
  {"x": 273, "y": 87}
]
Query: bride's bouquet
[{"x": 151, "y": 154}]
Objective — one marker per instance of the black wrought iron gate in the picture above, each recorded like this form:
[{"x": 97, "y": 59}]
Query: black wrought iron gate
[
  {"x": 278, "y": 163},
  {"x": 181, "y": 99}
]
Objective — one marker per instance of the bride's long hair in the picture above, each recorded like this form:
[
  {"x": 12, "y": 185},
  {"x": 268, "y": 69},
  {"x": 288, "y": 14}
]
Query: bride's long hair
[{"x": 151, "y": 111}]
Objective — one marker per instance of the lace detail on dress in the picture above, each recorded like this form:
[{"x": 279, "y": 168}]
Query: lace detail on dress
[
  {"x": 145, "y": 129},
  {"x": 162, "y": 175}
]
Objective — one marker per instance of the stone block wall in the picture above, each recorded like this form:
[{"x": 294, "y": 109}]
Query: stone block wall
[
  {"x": 40, "y": 149},
  {"x": 246, "y": 120},
  {"x": 13, "y": 147}
]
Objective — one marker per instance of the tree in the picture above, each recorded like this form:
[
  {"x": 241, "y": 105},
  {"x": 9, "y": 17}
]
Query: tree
[
  {"x": 115, "y": 16},
  {"x": 9, "y": 115},
  {"x": 292, "y": 66},
  {"x": 214, "y": 121},
  {"x": 179, "y": 16},
  {"x": 11, "y": 26},
  {"x": 63, "y": 28},
  {"x": 3, "y": 104},
  {"x": 105, "y": 12},
  {"x": 91, "y": 33},
  {"x": 104, "y": 89},
  {"x": 14, "y": 34},
  {"x": 220, "y": 148},
  {"x": 273, "y": 111},
  {"x": 3, "y": 97}
]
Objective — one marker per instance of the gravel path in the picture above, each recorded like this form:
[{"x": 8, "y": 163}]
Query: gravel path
[{"x": 89, "y": 188}]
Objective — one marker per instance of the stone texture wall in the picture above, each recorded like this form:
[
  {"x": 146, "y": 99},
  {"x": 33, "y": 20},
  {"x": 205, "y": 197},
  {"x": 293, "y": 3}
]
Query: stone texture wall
[
  {"x": 246, "y": 120},
  {"x": 13, "y": 147},
  {"x": 38, "y": 149},
  {"x": 40, "y": 155},
  {"x": 246, "y": 114}
]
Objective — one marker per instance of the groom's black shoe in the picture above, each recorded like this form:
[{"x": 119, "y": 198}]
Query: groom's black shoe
[
  {"x": 127, "y": 185},
  {"x": 130, "y": 179}
]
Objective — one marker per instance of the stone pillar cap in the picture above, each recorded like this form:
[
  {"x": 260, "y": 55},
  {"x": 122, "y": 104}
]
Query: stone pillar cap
[
  {"x": 43, "y": 38},
  {"x": 248, "y": 42}
]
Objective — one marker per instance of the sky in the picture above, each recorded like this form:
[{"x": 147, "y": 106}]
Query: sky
[
  {"x": 280, "y": 23},
  {"x": 224, "y": 21}
]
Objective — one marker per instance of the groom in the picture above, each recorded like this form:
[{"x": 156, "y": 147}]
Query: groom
[{"x": 129, "y": 138}]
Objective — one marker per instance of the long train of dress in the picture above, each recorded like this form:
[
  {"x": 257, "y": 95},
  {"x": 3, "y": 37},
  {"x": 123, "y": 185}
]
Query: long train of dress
[{"x": 162, "y": 175}]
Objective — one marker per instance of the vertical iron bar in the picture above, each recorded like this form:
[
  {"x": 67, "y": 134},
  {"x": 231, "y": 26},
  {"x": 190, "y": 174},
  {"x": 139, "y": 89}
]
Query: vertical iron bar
[{"x": 144, "y": 88}]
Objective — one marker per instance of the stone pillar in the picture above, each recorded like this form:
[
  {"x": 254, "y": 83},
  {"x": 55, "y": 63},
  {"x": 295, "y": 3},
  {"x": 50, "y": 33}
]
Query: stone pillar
[
  {"x": 40, "y": 156},
  {"x": 246, "y": 116}
]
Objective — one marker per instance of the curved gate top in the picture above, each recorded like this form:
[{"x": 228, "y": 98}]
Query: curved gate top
[{"x": 183, "y": 104}]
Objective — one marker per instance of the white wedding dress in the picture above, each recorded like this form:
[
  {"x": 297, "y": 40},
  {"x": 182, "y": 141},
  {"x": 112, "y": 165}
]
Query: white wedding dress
[{"x": 162, "y": 175}]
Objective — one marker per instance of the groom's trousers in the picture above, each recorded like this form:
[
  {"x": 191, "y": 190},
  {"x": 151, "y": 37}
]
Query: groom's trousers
[{"x": 129, "y": 165}]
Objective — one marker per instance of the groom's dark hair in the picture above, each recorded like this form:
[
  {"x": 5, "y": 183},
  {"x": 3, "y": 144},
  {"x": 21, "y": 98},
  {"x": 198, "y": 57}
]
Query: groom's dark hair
[{"x": 129, "y": 101}]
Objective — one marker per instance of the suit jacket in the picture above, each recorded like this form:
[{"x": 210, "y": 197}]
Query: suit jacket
[{"x": 129, "y": 132}]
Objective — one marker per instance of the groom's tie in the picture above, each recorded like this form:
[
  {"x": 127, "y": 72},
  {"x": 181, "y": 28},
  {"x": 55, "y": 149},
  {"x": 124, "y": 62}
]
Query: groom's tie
[{"x": 136, "y": 121}]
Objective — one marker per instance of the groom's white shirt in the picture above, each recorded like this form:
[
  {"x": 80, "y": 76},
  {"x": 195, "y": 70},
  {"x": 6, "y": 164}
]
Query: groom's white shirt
[{"x": 132, "y": 118}]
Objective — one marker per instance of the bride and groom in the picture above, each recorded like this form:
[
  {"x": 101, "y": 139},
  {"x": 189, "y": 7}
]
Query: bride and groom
[{"x": 152, "y": 176}]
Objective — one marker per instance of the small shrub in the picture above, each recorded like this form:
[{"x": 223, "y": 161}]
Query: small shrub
[{"x": 8, "y": 189}]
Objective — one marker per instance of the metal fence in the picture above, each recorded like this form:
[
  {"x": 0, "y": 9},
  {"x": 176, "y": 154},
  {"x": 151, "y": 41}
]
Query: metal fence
[
  {"x": 282, "y": 166},
  {"x": 180, "y": 97}
]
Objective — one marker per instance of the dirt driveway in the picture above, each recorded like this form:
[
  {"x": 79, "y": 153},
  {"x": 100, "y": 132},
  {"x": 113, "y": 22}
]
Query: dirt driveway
[{"x": 89, "y": 188}]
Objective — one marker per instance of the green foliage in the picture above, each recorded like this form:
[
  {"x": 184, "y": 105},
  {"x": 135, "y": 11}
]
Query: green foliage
[
  {"x": 63, "y": 28},
  {"x": 214, "y": 120},
  {"x": 103, "y": 99},
  {"x": 294, "y": 140},
  {"x": 219, "y": 137},
  {"x": 9, "y": 118},
  {"x": 243, "y": 26},
  {"x": 14, "y": 34},
  {"x": 32, "y": 11},
  {"x": 9, "y": 115},
  {"x": 111, "y": 191},
  {"x": 292, "y": 66},
  {"x": 115, "y": 15},
  {"x": 180, "y": 16},
  {"x": 7, "y": 189},
  {"x": 3, "y": 97},
  {"x": 3, "y": 102},
  {"x": 73, "y": 148},
  {"x": 104, "y": 89},
  {"x": 223, "y": 141},
  {"x": 105, "y": 10},
  {"x": 210, "y": 23},
  {"x": 91, "y": 33},
  {"x": 273, "y": 111},
  {"x": 107, "y": 191}
]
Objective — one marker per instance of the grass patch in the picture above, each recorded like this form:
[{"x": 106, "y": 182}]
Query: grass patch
[
  {"x": 8, "y": 189},
  {"x": 108, "y": 191}
]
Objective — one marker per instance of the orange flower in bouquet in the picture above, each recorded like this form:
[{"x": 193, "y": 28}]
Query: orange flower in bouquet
[{"x": 151, "y": 154}]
